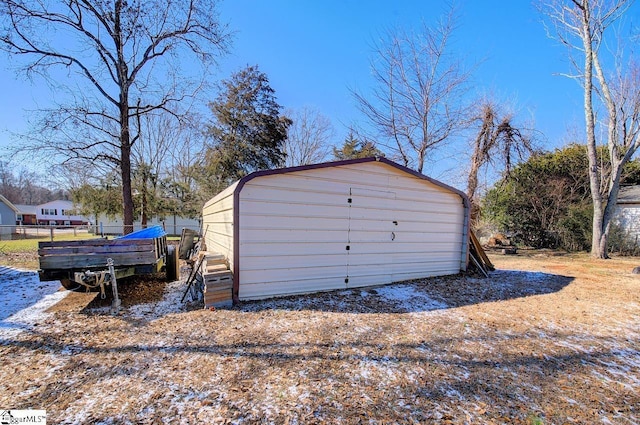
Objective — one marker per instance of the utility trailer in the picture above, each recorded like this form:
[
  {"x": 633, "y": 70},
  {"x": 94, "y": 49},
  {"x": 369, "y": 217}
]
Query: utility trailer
[{"x": 92, "y": 264}]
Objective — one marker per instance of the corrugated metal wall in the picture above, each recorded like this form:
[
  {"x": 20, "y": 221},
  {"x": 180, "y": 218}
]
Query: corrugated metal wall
[
  {"x": 340, "y": 227},
  {"x": 217, "y": 223}
]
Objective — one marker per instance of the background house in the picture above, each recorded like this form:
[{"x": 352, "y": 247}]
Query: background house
[
  {"x": 172, "y": 224},
  {"x": 27, "y": 215},
  {"x": 58, "y": 213},
  {"x": 8, "y": 214},
  {"x": 627, "y": 212}
]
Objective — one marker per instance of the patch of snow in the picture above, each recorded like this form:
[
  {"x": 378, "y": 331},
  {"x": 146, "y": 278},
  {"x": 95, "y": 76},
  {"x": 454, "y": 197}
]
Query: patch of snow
[
  {"x": 383, "y": 371},
  {"x": 408, "y": 298},
  {"x": 24, "y": 300},
  {"x": 20, "y": 289},
  {"x": 170, "y": 303}
]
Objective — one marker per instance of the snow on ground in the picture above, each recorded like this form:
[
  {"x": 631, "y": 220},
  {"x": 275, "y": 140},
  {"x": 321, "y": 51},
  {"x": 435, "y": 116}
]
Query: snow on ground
[
  {"x": 170, "y": 303},
  {"x": 520, "y": 347},
  {"x": 24, "y": 299},
  {"x": 408, "y": 298}
]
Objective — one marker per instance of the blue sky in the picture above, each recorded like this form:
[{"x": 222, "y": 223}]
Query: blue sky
[{"x": 314, "y": 52}]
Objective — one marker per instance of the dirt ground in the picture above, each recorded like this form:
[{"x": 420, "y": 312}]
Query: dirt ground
[{"x": 546, "y": 339}]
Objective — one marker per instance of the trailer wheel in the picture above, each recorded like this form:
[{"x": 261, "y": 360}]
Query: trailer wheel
[
  {"x": 171, "y": 264},
  {"x": 70, "y": 285}
]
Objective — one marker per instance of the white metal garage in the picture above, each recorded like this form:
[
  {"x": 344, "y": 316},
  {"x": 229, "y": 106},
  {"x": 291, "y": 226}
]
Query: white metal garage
[{"x": 334, "y": 226}]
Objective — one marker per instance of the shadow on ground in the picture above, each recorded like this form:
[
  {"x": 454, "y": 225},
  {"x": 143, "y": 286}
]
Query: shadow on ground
[{"x": 421, "y": 295}]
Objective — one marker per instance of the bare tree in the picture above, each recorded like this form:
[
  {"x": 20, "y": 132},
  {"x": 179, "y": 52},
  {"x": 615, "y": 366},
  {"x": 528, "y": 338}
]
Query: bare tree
[
  {"x": 416, "y": 104},
  {"x": 583, "y": 25},
  {"x": 150, "y": 154},
  {"x": 164, "y": 159},
  {"x": 308, "y": 138},
  {"x": 123, "y": 61},
  {"x": 21, "y": 186},
  {"x": 186, "y": 161},
  {"x": 497, "y": 142}
]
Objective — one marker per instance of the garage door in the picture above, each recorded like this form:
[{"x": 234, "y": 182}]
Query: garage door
[{"x": 370, "y": 239}]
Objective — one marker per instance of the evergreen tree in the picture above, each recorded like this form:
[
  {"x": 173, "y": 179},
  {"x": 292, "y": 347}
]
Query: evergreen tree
[
  {"x": 354, "y": 148},
  {"x": 248, "y": 131}
]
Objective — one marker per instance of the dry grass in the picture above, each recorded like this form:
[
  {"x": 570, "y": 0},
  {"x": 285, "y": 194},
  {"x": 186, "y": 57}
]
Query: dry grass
[{"x": 554, "y": 343}]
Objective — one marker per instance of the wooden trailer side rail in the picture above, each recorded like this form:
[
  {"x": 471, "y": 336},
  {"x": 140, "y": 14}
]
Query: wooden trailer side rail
[
  {"x": 60, "y": 255},
  {"x": 60, "y": 259}
]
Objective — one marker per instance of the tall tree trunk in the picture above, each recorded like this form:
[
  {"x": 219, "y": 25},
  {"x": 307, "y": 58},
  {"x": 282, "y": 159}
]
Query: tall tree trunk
[
  {"x": 472, "y": 185},
  {"x": 598, "y": 245},
  {"x": 125, "y": 169},
  {"x": 144, "y": 201},
  {"x": 125, "y": 134},
  {"x": 125, "y": 161}
]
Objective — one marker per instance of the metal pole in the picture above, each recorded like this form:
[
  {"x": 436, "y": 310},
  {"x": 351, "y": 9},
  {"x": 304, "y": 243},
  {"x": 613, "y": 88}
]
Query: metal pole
[{"x": 115, "y": 304}]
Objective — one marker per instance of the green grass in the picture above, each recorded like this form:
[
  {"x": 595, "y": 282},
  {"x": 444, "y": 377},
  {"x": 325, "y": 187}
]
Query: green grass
[
  {"x": 31, "y": 244},
  {"x": 23, "y": 253}
]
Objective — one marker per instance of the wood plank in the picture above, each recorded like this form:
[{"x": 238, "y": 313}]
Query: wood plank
[
  {"x": 217, "y": 274},
  {"x": 217, "y": 290},
  {"x": 478, "y": 265},
  {"x": 218, "y": 302},
  {"x": 212, "y": 256},
  {"x": 480, "y": 251},
  {"x": 95, "y": 242},
  {"x": 91, "y": 243},
  {"x": 86, "y": 250},
  {"x": 210, "y": 289},
  {"x": 218, "y": 297},
  {"x": 98, "y": 260},
  {"x": 216, "y": 268}
]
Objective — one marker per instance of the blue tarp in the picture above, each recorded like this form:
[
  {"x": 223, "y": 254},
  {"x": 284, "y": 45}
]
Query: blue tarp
[{"x": 148, "y": 233}]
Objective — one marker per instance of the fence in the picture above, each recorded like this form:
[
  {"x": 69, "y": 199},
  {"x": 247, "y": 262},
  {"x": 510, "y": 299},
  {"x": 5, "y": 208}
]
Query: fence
[
  {"x": 39, "y": 232},
  {"x": 9, "y": 232},
  {"x": 117, "y": 230}
]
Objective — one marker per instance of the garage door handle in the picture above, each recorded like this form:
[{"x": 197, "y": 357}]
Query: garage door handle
[{"x": 393, "y": 236}]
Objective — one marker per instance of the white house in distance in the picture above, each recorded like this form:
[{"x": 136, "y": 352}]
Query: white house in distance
[
  {"x": 627, "y": 212},
  {"x": 58, "y": 213},
  {"x": 172, "y": 224},
  {"x": 337, "y": 225}
]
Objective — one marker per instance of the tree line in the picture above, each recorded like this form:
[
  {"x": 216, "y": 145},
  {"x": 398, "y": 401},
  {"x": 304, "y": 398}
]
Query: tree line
[
  {"x": 24, "y": 187},
  {"x": 545, "y": 202},
  {"x": 248, "y": 131},
  {"x": 130, "y": 129}
]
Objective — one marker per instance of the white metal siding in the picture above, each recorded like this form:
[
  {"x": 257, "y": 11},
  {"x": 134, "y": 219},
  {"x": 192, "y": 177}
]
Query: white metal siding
[
  {"x": 292, "y": 235},
  {"x": 295, "y": 228},
  {"x": 217, "y": 224},
  {"x": 628, "y": 217}
]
